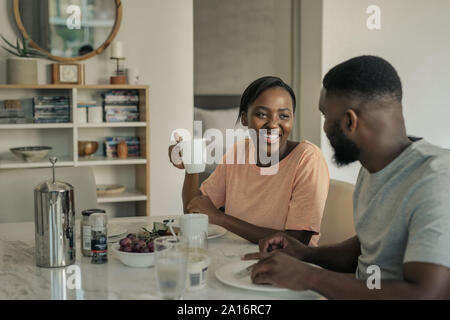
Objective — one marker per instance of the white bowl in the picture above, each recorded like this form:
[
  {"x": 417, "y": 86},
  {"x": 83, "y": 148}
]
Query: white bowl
[
  {"x": 30, "y": 154},
  {"x": 134, "y": 259}
]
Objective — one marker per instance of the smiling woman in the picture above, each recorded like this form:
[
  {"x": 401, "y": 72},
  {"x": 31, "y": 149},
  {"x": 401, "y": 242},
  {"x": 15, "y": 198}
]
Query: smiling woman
[
  {"x": 268, "y": 106},
  {"x": 256, "y": 204}
]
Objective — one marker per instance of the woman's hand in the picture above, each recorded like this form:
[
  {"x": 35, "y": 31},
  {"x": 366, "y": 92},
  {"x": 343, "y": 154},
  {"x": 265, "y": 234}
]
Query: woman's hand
[
  {"x": 279, "y": 269},
  {"x": 202, "y": 204},
  {"x": 175, "y": 153}
]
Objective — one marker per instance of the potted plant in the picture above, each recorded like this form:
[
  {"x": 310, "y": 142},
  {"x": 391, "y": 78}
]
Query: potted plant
[{"x": 23, "y": 68}]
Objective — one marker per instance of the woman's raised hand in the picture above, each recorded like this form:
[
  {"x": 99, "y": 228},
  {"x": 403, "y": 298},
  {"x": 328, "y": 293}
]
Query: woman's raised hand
[{"x": 175, "y": 153}]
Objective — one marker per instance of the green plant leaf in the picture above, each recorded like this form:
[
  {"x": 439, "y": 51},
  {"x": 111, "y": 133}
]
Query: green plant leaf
[
  {"x": 24, "y": 50},
  {"x": 8, "y": 43},
  {"x": 20, "y": 50},
  {"x": 10, "y": 51},
  {"x": 25, "y": 46}
]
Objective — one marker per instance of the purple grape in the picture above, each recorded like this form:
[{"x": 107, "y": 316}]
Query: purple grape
[
  {"x": 145, "y": 250},
  {"x": 131, "y": 236},
  {"x": 125, "y": 242},
  {"x": 126, "y": 249},
  {"x": 142, "y": 243}
]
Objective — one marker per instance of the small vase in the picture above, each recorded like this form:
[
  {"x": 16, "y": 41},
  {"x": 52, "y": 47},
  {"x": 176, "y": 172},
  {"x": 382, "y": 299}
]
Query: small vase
[
  {"x": 122, "y": 150},
  {"x": 21, "y": 71}
]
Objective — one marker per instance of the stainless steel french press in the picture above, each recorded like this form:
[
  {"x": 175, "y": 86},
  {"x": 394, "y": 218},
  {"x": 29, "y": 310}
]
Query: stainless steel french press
[{"x": 54, "y": 222}]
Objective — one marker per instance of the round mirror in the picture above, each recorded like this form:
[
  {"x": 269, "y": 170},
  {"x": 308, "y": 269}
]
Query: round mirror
[{"x": 68, "y": 30}]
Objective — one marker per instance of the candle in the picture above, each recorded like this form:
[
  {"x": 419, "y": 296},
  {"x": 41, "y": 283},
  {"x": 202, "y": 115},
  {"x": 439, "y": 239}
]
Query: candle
[{"x": 117, "y": 50}]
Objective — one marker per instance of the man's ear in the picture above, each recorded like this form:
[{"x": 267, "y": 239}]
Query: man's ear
[
  {"x": 350, "y": 121},
  {"x": 244, "y": 119}
]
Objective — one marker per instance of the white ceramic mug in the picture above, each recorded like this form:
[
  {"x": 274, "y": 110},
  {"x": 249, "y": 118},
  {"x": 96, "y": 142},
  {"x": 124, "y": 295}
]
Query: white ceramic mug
[
  {"x": 194, "y": 155},
  {"x": 194, "y": 228}
]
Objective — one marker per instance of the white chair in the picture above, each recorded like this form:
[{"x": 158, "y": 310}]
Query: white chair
[
  {"x": 17, "y": 190},
  {"x": 337, "y": 222}
]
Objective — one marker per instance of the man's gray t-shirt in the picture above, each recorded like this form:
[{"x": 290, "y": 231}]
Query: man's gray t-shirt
[{"x": 402, "y": 213}]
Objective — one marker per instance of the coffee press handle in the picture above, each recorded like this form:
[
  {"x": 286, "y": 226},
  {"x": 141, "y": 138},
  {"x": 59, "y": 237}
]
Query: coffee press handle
[{"x": 53, "y": 161}]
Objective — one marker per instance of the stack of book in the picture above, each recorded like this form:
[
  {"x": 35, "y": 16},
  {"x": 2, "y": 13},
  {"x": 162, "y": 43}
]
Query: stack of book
[
  {"x": 12, "y": 115},
  {"x": 112, "y": 142},
  {"x": 121, "y": 105},
  {"x": 51, "y": 109}
]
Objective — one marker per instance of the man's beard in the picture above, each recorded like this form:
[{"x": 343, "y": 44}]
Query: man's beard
[{"x": 345, "y": 150}]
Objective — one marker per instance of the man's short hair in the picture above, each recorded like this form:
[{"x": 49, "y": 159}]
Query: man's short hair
[{"x": 365, "y": 77}]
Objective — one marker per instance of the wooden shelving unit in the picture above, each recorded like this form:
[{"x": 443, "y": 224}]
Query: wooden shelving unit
[{"x": 134, "y": 173}]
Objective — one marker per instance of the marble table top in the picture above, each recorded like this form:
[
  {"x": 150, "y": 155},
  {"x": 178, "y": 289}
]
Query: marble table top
[{"x": 20, "y": 278}]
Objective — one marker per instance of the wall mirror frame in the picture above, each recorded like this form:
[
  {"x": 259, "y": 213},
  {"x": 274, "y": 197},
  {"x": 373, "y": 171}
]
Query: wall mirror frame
[{"x": 91, "y": 54}]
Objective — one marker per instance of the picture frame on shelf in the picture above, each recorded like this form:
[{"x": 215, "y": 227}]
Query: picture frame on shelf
[{"x": 68, "y": 73}]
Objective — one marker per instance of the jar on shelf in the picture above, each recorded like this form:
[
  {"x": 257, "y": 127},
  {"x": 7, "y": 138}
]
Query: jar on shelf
[{"x": 122, "y": 150}]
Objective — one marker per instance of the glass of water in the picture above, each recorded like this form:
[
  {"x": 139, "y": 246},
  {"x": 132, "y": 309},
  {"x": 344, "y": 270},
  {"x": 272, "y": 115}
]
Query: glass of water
[{"x": 171, "y": 257}]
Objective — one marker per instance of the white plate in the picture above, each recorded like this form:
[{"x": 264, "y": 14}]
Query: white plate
[
  {"x": 227, "y": 275},
  {"x": 115, "y": 231},
  {"x": 215, "y": 231}
]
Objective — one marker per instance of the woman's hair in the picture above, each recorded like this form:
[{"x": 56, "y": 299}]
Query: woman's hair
[{"x": 257, "y": 87}]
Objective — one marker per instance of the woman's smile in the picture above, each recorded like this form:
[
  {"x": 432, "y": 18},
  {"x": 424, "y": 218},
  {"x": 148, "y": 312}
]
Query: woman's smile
[{"x": 270, "y": 137}]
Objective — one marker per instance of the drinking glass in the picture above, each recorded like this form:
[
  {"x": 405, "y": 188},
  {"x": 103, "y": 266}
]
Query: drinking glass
[
  {"x": 171, "y": 257},
  {"x": 198, "y": 242}
]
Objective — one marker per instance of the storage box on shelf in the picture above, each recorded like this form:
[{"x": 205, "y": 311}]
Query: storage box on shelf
[{"x": 132, "y": 172}]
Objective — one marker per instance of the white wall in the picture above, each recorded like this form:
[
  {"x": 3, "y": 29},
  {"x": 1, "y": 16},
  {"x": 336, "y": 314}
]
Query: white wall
[
  {"x": 414, "y": 37},
  {"x": 158, "y": 39}
]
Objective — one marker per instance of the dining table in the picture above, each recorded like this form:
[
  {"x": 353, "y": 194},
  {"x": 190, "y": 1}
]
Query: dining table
[{"x": 21, "y": 279}]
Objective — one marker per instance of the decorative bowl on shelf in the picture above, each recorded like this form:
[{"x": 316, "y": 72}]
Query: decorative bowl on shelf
[
  {"x": 109, "y": 189},
  {"x": 31, "y": 154},
  {"x": 87, "y": 148}
]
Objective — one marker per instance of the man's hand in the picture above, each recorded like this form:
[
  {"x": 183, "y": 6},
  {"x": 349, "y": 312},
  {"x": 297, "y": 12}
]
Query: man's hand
[
  {"x": 202, "y": 204},
  {"x": 282, "y": 242},
  {"x": 279, "y": 269}
]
